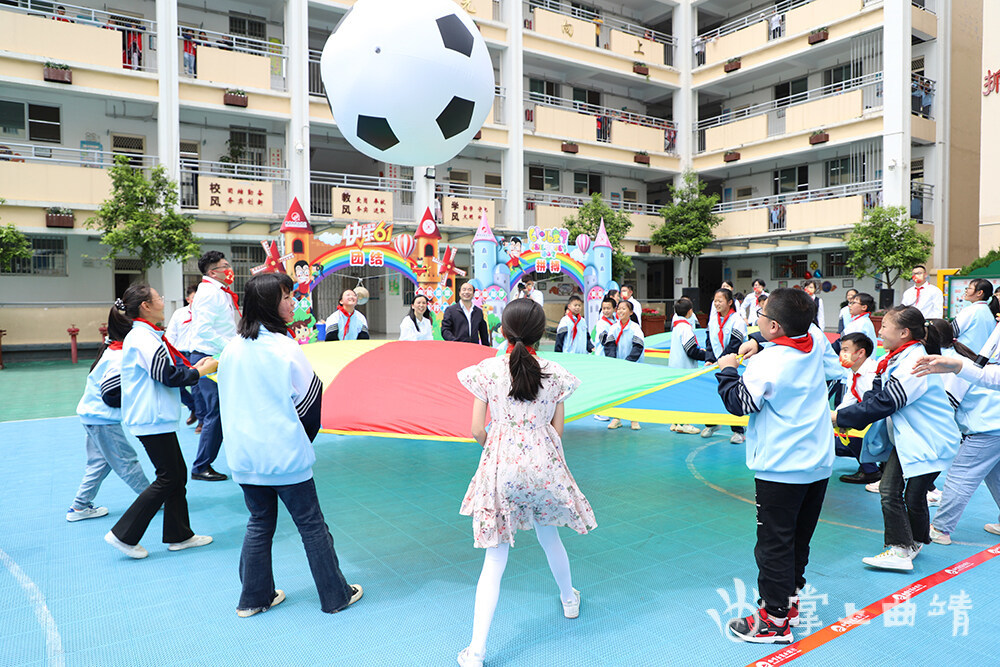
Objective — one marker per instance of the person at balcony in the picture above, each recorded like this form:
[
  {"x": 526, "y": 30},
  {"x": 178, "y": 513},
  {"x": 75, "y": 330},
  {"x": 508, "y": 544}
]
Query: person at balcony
[
  {"x": 179, "y": 333},
  {"x": 571, "y": 332},
  {"x": 923, "y": 296},
  {"x": 856, "y": 355},
  {"x": 628, "y": 294},
  {"x": 60, "y": 15},
  {"x": 464, "y": 321},
  {"x": 347, "y": 323},
  {"x": 152, "y": 370},
  {"x": 974, "y": 323},
  {"x": 725, "y": 335},
  {"x": 845, "y": 312},
  {"x": 783, "y": 393},
  {"x": 774, "y": 23},
  {"x": 685, "y": 351},
  {"x": 528, "y": 291},
  {"x": 861, "y": 308},
  {"x": 263, "y": 372},
  {"x": 419, "y": 322},
  {"x": 814, "y": 290},
  {"x": 625, "y": 340},
  {"x": 699, "y": 51},
  {"x": 522, "y": 481},
  {"x": 190, "y": 51},
  {"x": 924, "y": 434},
  {"x": 215, "y": 313},
  {"x": 100, "y": 413},
  {"x": 750, "y": 306}
]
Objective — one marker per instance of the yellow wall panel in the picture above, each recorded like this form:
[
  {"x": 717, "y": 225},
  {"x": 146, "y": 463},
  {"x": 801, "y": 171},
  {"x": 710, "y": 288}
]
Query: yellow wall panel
[
  {"x": 55, "y": 183},
  {"x": 233, "y": 69},
  {"x": 60, "y": 41},
  {"x": 827, "y": 111},
  {"x": 924, "y": 21},
  {"x": 736, "y": 43},
  {"x": 839, "y": 212},
  {"x": 636, "y": 48},
  {"x": 923, "y": 129},
  {"x": 818, "y": 14},
  {"x": 742, "y": 223},
  {"x": 566, "y": 28},
  {"x": 733, "y": 135}
]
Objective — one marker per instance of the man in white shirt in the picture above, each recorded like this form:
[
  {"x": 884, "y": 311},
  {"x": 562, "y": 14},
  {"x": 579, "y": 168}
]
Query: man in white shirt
[
  {"x": 627, "y": 294},
  {"x": 925, "y": 297},
  {"x": 529, "y": 292},
  {"x": 215, "y": 312},
  {"x": 179, "y": 334}
]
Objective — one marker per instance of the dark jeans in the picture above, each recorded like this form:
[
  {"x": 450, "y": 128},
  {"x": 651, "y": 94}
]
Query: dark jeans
[
  {"x": 786, "y": 518},
  {"x": 904, "y": 505},
  {"x": 199, "y": 404},
  {"x": 168, "y": 489},
  {"x": 187, "y": 399},
  {"x": 211, "y": 422},
  {"x": 853, "y": 449},
  {"x": 255, "y": 560}
]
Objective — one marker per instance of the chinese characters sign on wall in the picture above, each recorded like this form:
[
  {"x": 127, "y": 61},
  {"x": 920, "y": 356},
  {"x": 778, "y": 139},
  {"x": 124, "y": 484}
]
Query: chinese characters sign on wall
[
  {"x": 231, "y": 195},
  {"x": 461, "y": 212},
  {"x": 364, "y": 205},
  {"x": 991, "y": 82}
]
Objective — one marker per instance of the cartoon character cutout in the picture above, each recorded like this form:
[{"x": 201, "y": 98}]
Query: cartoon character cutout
[
  {"x": 514, "y": 251},
  {"x": 302, "y": 330}
]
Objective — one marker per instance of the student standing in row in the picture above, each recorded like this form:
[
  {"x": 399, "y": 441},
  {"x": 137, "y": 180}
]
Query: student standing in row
[
  {"x": 726, "y": 332},
  {"x": 684, "y": 349},
  {"x": 625, "y": 340},
  {"x": 346, "y": 323},
  {"x": 974, "y": 323},
  {"x": 571, "y": 333}
]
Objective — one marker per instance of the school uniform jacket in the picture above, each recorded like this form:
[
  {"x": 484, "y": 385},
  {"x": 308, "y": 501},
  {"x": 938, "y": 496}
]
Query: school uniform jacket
[
  {"x": 831, "y": 361},
  {"x": 630, "y": 345},
  {"x": 339, "y": 327},
  {"x": 213, "y": 320},
  {"x": 977, "y": 409},
  {"x": 845, "y": 315},
  {"x": 102, "y": 398},
  {"x": 601, "y": 333},
  {"x": 269, "y": 399},
  {"x": 974, "y": 324},
  {"x": 573, "y": 336},
  {"x": 684, "y": 350},
  {"x": 727, "y": 339},
  {"x": 924, "y": 431},
  {"x": 860, "y": 324},
  {"x": 151, "y": 400}
]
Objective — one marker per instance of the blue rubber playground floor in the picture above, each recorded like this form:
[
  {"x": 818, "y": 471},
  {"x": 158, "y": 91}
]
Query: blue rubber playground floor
[{"x": 671, "y": 560}]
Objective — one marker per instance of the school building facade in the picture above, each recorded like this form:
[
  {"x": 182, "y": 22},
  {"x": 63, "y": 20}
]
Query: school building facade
[{"x": 799, "y": 114}]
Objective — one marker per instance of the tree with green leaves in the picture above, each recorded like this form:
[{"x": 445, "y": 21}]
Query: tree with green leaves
[
  {"x": 140, "y": 217},
  {"x": 13, "y": 244},
  {"x": 885, "y": 244},
  {"x": 688, "y": 221},
  {"x": 617, "y": 224}
]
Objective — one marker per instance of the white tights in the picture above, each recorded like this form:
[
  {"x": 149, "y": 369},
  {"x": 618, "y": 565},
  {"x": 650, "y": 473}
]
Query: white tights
[{"x": 488, "y": 589}]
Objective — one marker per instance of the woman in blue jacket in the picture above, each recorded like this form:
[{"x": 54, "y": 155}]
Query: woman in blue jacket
[{"x": 262, "y": 372}]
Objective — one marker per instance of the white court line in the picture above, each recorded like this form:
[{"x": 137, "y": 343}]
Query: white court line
[
  {"x": 53, "y": 642},
  {"x": 36, "y": 419}
]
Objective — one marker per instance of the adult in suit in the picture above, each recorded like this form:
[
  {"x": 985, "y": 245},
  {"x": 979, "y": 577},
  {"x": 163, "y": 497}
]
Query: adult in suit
[{"x": 464, "y": 321}]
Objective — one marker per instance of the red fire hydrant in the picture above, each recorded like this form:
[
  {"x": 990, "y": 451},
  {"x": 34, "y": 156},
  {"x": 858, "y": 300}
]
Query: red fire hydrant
[
  {"x": 103, "y": 329},
  {"x": 72, "y": 331}
]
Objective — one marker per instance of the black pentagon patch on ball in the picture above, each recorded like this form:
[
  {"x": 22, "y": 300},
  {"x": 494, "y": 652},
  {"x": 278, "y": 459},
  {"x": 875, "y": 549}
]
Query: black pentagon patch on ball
[
  {"x": 376, "y": 131},
  {"x": 456, "y": 117},
  {"x": 455, "y": 35}
]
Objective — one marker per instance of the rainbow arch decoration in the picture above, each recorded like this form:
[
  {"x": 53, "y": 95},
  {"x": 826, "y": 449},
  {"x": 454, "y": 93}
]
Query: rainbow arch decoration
[
  {"x": 565, "y": 263},
  {"x": 340, "y": 258}
]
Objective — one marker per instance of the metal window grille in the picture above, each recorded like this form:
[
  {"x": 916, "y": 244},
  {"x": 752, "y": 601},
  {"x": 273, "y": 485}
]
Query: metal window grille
[
  {"x": 48, "y": 258},
  {"x": 243, "y": 258},
  {"x": 835, "y": 265},
  {"x": 789, "y": 266}
]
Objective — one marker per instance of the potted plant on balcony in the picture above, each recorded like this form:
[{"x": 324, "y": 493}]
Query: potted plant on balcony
[
  {"x": 643, "y": 248},
  {"x": 570, "y": 147},
  {"x": 641, "y": 68},
  {"x": 57, "y": 216},
  {"x": 235, "y": 98},
  {"x": 732, "y": 65},
  {"x": 819, "y": 137},
  {"x": 641, "y": 157},
  {"x": 731, "y": 156},
  {"x": 57, "y": 72},
  {"x": 479, "y": 135},
  {"x": 819, "y": 35}
]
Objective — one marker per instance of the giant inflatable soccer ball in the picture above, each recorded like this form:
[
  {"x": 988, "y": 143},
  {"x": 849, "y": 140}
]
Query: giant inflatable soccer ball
[{"x": 409, "y": 82}]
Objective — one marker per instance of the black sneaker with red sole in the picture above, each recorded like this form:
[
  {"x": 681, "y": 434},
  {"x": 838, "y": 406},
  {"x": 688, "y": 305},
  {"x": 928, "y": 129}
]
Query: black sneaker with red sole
[
  {"x": 760, "y": 628},
  {"x": 793, "y": 612}
]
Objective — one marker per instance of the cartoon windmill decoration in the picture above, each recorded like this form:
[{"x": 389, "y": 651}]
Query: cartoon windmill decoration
[{"x": 273, "y": 262}]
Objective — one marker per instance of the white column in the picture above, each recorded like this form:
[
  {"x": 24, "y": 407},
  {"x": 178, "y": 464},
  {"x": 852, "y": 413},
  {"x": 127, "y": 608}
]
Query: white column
[
  {"x": 685, "y": 106},
  {"x": 423, "y": 190},
  {"x": 896, "y": 29},
  {"x": 297, "y": 77},
  {"x": 942, "y": 149},
  {"x": 512, "y": 73},
  {"x": 168, "y": 278}
]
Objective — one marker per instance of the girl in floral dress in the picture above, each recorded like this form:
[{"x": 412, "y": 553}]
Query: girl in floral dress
[{"x": 522, "y": 481}]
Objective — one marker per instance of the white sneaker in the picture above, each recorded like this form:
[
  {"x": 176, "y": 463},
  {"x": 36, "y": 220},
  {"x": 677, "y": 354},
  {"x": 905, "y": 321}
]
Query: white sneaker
[
  {"x": 937, "y": 537},
  {"x": 915, "y": 549},
  {"x": 131, "y": 551},
  {"x": 615, "y": 423},
  {"x": 873, "y": 487},
  {"x": 738, "y": 439},
  {"x": 933, "y": 498},
  {"x": 992, "y": 528},
  {"x": 636, "y": 426},
  {"x": 675, "y": 427},
  {"x": 709, "y": 431},
  {"x": 602, "y": 418},
  {"x": 279, "y": 597},
  {"x": 193, "y": 541},
  {"x": 88, "y": 512},
  {"x": 467, "y": 658},
  {"x": 688, "y": 429},
  {"x": 893, "y": 558},
  {"x": 572, "y": 609}
]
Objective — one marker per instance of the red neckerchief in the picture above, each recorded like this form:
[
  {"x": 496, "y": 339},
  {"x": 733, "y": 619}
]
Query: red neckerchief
[
  {"x": 858, "y": 316},
  {"x": 918, "y": 287},
  {"x": 722, "y": 322},
  {"x": 174, "y": 353},
  {"x": 233, "y": 295},
  {"x": 575, "y": 322},
  {"x": 115, "y": 345},
  {"x": 854, "y": 386},
  {"x": 611, "y": 322},
  {"x": 800, "y": 343},
  {"x": 884, "y": 364},
  {"x": 347, "y": 324},
  {"x": 624, "y": 326},
  {"x": 510, "y": 348},
  {"x": 679, "y": 320}
]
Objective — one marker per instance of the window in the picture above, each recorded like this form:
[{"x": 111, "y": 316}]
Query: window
[
  {"x": 839, "y": 172},
  {"x": 247, "y": 26},
  {"x": 493, "y": 181},
  {"x": 12, "y": 119},
  {"x": 585, "y": 183},
  {"x": 250, "y": 144},
  {"x": 586, "y": 98},
  {"x": 48, "y": 258},
  {"x": 789, "y": 266},
  {"x": 792, "y": 179},
  {"x": 543, "y": 179},
  {"x": 835, "y": 265},
  {"x": 790, "y": 92},
  {"x": 744, "y": 193},
  {"x": 540, "y": 89},
  {"x": 459, "y": 176},
  {"x": 43, "y": 124},
  {"x": 243, "y": 258},
  {"x": 841, "y": 73},
  {"x": 630, "y": 196},
  {"x": 130, "y": 145}
]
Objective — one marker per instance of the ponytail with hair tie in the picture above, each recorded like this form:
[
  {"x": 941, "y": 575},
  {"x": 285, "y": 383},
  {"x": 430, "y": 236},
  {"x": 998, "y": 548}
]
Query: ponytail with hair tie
[{"x": 119, "y": 305}]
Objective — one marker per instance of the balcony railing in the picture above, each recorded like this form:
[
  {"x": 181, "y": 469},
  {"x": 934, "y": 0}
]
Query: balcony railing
[
  {"x": 921, "y": 202},
  {"x": 605, "y": 24},
  {"x": 926, "y": 5},
  {"x": 321, "y": 184},
  {"x": 192, "y": 169},
  {"x": 922, "y": 92},
  {"x": 472, "y": 191},
  {"x": 749, "y": 19},
  {"x": 606, "y": 117},
  {"x": 315, "y": 75},
  {"x": 786, "y": 198},
  {"x": 79, "y": 157},
  {"x": 531, "y": 199},
  {"x": 500, "y": 95},
  {"x": 136, "y": 33},
  {"x": 276, "y": 52}
]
